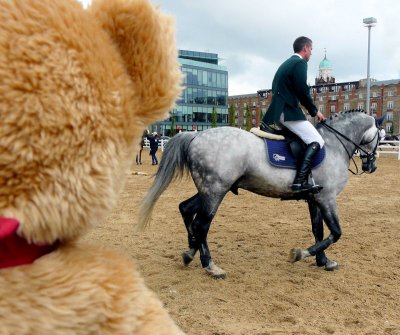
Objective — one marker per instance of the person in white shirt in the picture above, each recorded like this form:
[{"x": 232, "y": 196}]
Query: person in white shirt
[{"x": 382, "y": 133}]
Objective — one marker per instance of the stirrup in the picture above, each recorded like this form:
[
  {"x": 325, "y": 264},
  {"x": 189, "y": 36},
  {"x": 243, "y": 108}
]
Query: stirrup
[{"x": 306, "y": 187}]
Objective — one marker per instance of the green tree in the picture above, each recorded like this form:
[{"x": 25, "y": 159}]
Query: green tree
[
  {"x": 261, "y": 115},
  {"x": 173, "y": 126},
  {"x": 231, "y": 116},
  {"x": 248, "y": 118},
  {"x": 214, "y": 118}
]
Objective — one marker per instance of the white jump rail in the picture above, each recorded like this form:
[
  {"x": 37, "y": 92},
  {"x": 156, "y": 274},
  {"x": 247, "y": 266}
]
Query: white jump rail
[
  {"x": 161, "y": 144},
  {"x": 389, "y": 147}
]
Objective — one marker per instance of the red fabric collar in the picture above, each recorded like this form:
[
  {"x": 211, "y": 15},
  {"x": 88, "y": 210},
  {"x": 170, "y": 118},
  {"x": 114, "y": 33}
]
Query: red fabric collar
[{"x": 15, "y": 250}]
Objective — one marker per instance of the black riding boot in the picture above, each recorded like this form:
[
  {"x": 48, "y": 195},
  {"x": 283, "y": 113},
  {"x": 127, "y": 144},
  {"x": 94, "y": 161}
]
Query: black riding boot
[{"x": 300, "y": 183}]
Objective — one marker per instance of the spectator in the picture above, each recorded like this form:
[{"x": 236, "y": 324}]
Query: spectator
[
  {"x": 139, "y": 154},
  {"x": 382, "y": 133},
  {"x": 153, "y": 138}
]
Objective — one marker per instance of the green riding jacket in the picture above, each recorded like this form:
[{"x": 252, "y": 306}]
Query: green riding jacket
[{"x": 289, "y": 89}]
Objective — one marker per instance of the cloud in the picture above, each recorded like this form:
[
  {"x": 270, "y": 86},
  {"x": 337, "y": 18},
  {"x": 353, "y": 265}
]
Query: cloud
[{"x": 252, "y": 37}]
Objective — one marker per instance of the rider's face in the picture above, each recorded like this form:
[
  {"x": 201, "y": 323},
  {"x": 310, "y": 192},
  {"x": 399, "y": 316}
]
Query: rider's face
[{"x": 307, "y": 52}]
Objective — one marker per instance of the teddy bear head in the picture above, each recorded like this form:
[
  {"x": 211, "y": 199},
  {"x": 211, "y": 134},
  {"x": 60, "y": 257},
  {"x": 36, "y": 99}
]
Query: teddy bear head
[{"x": 77, "y": 88}]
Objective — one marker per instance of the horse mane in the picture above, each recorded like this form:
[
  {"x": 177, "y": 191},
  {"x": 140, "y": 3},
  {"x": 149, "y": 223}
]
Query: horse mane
[{"x": 343, "y": 115}]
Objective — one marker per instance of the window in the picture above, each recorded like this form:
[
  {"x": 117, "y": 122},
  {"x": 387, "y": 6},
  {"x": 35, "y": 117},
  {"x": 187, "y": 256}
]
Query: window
[
  {"x": 360, "y": 96},
  {"x": 389, "y": 116},
  {"x": 321, "y": 108},
  {"x": 374, "y": 95},
  {"x": 373, "y": 106},
  {"x": 346, "y": 97},
  {"x": 390, "y": 93},
  {"x": 195, "y": 80},
  {"x": 333, "y": 108},
  {"x": 205, "y": 76},
  {"x": 390, "y": 105},
  {"x": 360, "y": 105},
  {"x": 189, "y": 95},
  {"x": 333, "y": 97},
  {"x": 346, "y": 107},
  {"x": 321, "y": 98},
  {"x": 219, "y": 80}
]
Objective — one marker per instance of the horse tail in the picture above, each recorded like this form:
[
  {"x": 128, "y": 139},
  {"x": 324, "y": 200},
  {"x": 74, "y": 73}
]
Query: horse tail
[{"x": 174, "y": 164}]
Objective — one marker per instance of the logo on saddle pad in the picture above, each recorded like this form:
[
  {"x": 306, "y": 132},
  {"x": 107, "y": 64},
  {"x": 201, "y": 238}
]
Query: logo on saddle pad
[{"x": 280, "y": 155}]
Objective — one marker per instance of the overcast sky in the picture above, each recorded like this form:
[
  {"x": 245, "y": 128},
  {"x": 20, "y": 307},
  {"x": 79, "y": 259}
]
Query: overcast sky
[{"x": 253, "y": 37}]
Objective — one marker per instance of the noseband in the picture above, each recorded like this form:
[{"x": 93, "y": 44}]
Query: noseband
[{"x": 367, "y": 158}]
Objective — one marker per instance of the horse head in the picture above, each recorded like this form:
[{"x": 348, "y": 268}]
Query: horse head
[{"x": 356, "y": 131}]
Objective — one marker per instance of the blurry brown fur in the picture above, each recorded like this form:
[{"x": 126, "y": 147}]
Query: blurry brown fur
[{"x": 77, "y": 88}]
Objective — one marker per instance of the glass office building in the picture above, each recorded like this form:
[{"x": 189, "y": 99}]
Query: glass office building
[{"x": 205, "y": 88}]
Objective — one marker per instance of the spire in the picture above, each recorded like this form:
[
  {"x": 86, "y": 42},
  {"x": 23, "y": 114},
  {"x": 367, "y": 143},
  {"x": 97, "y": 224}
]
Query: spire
[{"x": 325, "y": 71}]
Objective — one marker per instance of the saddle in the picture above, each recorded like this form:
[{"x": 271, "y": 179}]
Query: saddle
[{"x": 284, "y": 148}]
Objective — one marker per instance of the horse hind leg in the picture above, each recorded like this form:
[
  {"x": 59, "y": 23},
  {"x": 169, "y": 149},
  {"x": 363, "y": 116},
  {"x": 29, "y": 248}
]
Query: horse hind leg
[
  {"x": 188, "y": 210},
  {"x": 200, "y": 227}
]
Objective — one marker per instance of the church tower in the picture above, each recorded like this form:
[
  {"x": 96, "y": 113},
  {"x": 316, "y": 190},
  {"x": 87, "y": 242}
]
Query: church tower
[{"x": 325, "y": 72}]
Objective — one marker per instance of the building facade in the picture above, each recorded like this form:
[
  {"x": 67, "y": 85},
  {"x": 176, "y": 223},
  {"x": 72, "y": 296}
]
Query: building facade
[
  {"x": 256, "y": 104},
  {"x": 205, "y": 92},
  {"x": 330, "y": 98}
]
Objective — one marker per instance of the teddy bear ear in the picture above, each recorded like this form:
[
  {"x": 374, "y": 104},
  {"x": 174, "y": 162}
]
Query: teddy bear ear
[{"x": 145, "y": 39}]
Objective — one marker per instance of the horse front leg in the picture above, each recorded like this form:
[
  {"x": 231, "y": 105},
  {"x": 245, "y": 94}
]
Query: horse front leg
[
  {"x": 318, "y": 232},
  {"x": 330, "y": 216}
]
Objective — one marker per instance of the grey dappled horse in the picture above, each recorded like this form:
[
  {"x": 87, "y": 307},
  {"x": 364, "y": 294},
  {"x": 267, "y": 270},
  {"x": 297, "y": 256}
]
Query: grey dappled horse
[{"x": 226, "y": 159}]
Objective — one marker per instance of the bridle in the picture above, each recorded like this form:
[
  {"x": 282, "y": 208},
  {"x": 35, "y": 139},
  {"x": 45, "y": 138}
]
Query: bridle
[{"x": 367, "y": 158}]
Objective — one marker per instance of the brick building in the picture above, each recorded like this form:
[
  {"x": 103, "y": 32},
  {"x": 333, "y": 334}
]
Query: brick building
[{"x": 330, "y": 98}]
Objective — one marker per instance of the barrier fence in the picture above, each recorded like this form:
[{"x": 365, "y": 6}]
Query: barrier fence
[
  {"x": 161, "y": 144},
  {"x": 389, "y": 147}
]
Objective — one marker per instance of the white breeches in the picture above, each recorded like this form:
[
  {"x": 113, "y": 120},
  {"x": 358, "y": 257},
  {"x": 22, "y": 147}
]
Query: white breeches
[{"x": 305, "y": 130}]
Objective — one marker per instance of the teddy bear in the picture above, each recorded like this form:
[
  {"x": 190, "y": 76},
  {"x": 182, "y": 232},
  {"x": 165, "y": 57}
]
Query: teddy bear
[{"x": 77, "y": 88}]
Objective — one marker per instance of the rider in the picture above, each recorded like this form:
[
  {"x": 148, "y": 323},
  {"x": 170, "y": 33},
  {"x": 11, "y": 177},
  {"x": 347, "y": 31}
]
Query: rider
[{"x": 289, "y": 89}]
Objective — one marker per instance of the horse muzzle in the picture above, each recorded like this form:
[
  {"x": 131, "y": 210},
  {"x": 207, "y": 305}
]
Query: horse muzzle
[{"x": 369, "y": 163}]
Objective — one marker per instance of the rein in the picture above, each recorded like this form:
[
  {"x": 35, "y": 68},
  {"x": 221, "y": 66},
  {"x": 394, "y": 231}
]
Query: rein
[{"x": 367, "y": 154}]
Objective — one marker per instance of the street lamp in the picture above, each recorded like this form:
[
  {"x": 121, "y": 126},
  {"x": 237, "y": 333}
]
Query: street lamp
[{"x": 369, "y": 22}]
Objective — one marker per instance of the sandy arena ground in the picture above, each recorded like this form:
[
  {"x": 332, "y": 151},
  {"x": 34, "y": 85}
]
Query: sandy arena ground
[{"x": 250, "y": 238}]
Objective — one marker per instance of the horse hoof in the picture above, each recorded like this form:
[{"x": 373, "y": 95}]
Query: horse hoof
[
  {"x": 215, "y": 271},
  {"x": 331, "y": 265},
  {"x": 295, "y": 255},
  {"x": 187, "y": 257}
]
